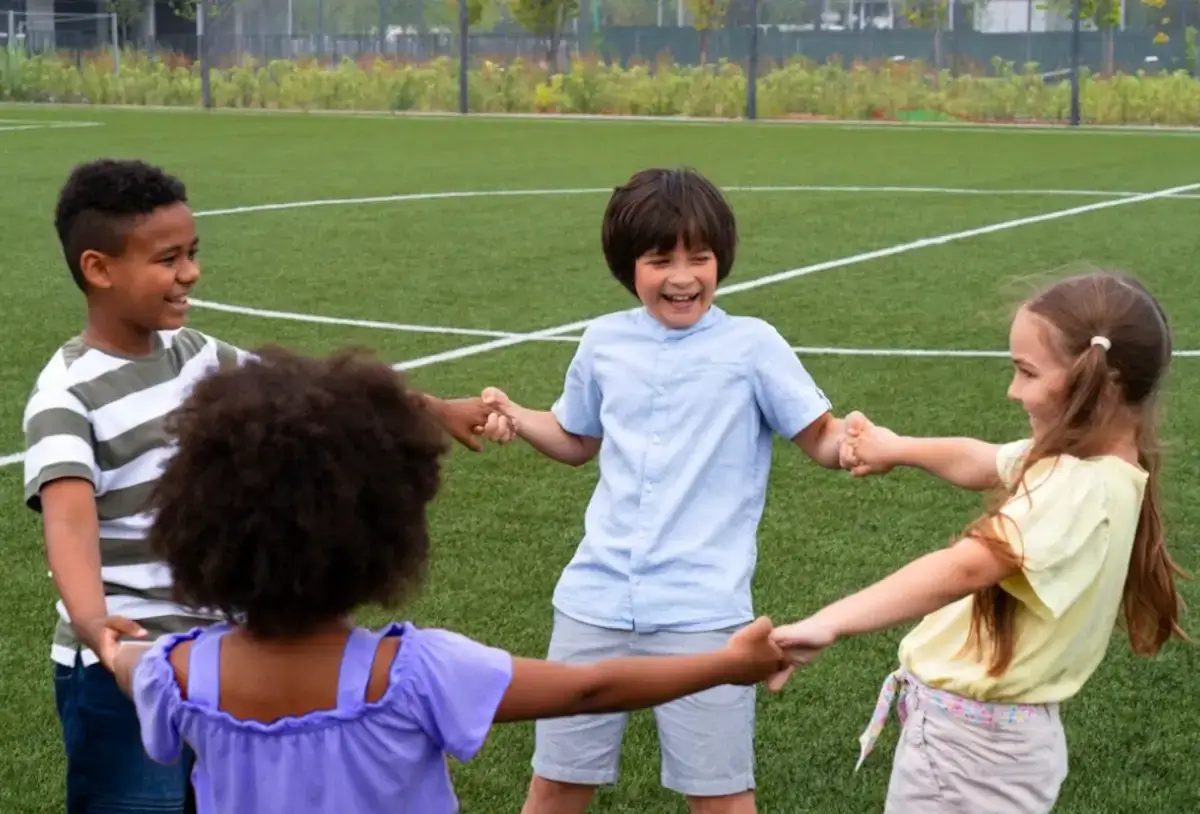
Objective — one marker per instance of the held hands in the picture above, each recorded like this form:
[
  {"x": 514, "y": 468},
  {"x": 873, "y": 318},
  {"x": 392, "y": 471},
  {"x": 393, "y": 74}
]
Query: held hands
[
  {"x": 467, "y": 419},
  {"x": 501, "y": 425},
  {"x": 802, "y": 642},
  {"x": 755, "y": 653},
  {"x": 772, "y": 654},
  {"x": 867, "y": 449},
  {"x": 462, "y": 418},
  {"x": 104, "y": 636}
]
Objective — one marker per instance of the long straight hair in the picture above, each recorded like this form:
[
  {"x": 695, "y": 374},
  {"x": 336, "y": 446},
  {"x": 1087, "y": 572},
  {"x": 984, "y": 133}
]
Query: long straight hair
[{"x": 1103, "y": 385}]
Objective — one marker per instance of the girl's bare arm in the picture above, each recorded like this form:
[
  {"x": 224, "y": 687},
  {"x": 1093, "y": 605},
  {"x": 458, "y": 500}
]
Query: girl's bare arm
[
  {"x": 964, "y": 462},
  {"x": 546, "y": 689}
]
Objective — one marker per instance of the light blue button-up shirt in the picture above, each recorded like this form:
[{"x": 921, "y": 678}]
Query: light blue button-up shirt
[{"x": 687, "y": 419}]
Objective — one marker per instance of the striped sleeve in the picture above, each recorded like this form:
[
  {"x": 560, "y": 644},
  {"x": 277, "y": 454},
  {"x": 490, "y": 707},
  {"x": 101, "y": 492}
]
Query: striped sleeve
[
  {"x": 229, "y": 356},
  {"x": 58, "y": 442}
]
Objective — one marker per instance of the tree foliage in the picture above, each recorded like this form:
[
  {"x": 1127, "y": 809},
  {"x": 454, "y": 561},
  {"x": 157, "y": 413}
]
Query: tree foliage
[
  {"x": 707, "y": 16},
  {"x": 546, "y": 20},
  {"x": 931, "y": 14},
  {"x": 543, "y": 18},
  {"x": 129, "y": 13}
]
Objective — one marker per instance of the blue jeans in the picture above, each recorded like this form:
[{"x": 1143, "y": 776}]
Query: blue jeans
[{"x": 108, "y": 770}]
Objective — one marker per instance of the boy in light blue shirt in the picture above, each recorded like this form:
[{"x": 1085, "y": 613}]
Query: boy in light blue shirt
[{"x": 681, "y": 402}]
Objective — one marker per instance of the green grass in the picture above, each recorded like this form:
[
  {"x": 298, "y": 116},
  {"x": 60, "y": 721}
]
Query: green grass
[{"x": 508, "y": 520}]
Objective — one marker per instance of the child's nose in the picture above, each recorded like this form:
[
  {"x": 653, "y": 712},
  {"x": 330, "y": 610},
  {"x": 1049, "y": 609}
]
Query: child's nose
[
  {"x": 187, "y": 272},
  {"x": 681, "y": 273}
]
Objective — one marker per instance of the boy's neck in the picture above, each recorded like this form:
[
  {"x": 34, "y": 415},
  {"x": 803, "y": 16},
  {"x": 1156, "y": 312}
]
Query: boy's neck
[
  {"x": 118, "y": 337},
  {"x": 705, "y": 315}
]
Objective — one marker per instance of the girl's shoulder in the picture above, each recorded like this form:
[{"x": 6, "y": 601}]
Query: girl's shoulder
[
  {"x": 1081, "y": 472},
  {"x": 1011, "y": 459},
  {"x": 419, "y": 663}
]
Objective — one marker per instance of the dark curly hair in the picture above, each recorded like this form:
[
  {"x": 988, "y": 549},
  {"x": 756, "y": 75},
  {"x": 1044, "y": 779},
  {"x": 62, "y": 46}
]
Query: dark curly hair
[
  {"x": 102, "y": 201},
  {"x": 298, "y": 491},
  {"x": 656, "y": 208}
]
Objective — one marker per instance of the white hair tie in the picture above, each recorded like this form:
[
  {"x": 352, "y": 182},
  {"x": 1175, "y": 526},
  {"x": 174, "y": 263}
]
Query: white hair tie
[{"x": 1102, "y": 341}]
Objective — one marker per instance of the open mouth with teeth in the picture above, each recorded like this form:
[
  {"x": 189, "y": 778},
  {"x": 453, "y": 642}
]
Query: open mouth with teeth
[
  {"x": 681, "y": 299},
  {"x": 178, "y": 300}
]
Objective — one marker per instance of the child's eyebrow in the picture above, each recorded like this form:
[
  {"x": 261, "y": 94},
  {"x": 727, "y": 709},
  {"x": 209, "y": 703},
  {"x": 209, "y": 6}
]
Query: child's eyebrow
[{"x": 175, "y": 248}]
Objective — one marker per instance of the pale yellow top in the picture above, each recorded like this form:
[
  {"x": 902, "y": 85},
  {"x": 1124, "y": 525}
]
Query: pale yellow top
[{"x": 1075, "y": 521}]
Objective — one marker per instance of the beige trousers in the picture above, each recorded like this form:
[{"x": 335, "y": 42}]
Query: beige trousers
[{"x": 948, "y": 764}]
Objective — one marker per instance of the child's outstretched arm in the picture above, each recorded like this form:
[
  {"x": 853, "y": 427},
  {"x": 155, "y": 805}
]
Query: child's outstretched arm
[
  {"x": 540, "y": 429},
  {"x": 964, "y": 462},
  {"x": 464, "y": 419},
  {"x": 822, "y": 441},
  {"x": 919, "y": 588},
  {"x": 546, "y": 689},
  {"x": 71, "y": 527},
  {"x": 124, "y": 659}
]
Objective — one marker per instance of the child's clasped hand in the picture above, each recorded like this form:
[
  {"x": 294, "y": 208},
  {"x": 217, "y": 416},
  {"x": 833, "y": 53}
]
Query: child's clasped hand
[{"x": 866, "y": 448}]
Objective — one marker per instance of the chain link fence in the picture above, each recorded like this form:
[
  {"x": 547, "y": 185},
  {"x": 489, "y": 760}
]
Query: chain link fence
[{"x": 886, "y": 58}]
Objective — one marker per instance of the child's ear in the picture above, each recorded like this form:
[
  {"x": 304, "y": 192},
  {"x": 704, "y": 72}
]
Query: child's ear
[{"x": 94, "y": 266}]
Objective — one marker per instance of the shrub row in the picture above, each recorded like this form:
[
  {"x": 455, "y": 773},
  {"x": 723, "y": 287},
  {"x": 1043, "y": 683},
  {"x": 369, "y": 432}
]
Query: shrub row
[{"x": 883, "y": 90}]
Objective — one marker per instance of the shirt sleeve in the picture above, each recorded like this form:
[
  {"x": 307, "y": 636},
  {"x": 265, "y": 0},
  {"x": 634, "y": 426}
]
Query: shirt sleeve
[
  {"x": 58, "y": 442},
  {"x": 157, "y": 701},
  {"x": 229, "y": 356},
  {"x": 786, "y": 394},
  {"x": 459, "y": 684},
  {"x": 1056, "y": 525},
  {"x": 1009, "y": 459},
  {"x": 578, "y": 407}
]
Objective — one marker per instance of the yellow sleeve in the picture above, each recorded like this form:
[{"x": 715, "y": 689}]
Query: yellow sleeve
[
  {"x": 1009, "y": 459},
  {"x": 1055, "y": 524}
]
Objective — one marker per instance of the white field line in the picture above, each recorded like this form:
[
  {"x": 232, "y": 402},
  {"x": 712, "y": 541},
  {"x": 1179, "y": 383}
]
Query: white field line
[
  {"x": 1037, "y": 128},
  {"x": 586, "y": 118},
  {"x": 10, "y": 125},
  {"x": 401, "y": 327},
  {"x": 444, "y": 330},
  {"x": 850, "y": 189},
  {"x": 772, "y": 279}
]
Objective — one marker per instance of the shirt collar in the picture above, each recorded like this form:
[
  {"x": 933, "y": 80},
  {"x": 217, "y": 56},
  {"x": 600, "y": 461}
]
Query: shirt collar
[{"x": 711, "y": 317}]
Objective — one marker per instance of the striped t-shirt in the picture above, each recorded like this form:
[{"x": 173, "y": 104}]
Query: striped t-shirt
[{"x": 99, "y": 416}]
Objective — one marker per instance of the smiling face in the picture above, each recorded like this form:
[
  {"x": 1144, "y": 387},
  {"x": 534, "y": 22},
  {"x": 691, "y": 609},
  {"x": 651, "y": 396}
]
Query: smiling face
[
  {"x": 145, "y": 288},
  {"x": 677, "y": 287},
  {"x": 670, "y": 237},
  {"x": 1041, "y": 373}
]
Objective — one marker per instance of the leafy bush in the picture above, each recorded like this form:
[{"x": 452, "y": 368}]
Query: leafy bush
[{"x": 793, "y": 89}]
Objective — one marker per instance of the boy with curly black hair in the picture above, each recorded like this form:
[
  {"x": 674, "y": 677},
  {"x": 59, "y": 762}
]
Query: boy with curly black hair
[
  {"x": 298, "y": 494},
  {"x": 94, "y": 448}
]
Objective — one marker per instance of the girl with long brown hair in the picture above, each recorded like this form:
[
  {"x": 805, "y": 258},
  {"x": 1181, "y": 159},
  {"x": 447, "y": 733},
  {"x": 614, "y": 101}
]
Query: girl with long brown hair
[{"x": 1018, "y": 613}]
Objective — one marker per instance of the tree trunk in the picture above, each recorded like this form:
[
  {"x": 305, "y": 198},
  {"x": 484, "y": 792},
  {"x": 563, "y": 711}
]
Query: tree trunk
[
  {"x": 555, "y": 41},
  {"x": 703, "y": 46}
]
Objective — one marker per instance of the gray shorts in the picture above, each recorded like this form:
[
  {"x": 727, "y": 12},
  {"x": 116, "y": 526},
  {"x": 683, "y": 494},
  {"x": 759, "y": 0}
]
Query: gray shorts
[
  {"x": 947, "y": 763},
  {"x": 707, "y": 739}
]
